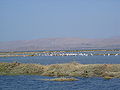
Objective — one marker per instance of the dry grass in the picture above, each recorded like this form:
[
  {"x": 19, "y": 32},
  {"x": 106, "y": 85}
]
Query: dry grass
[
  {"x": 28, "y": 69},
  {"x": 61, "y": 79},
  {"x": 67, "y": 69},
  {"x": 107, "y": 77},
  {"x": 18, "y": 68}
]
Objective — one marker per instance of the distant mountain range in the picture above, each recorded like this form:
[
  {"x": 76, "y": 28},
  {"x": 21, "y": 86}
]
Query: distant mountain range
[{"x": 60, "y": 44}]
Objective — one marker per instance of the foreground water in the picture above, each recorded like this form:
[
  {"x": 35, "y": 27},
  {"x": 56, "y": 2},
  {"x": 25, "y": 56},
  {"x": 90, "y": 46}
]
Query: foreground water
[
  {"x": 35, "y": 83},
  {"x": 32, "y": 82}
]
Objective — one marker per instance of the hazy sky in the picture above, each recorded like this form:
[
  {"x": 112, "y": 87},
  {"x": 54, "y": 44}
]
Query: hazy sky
[{"x": 33, "y": 19}]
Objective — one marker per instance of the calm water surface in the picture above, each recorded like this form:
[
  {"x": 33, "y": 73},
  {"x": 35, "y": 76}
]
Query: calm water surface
[
  {"x": 32, "y": 82},
  {"x": 35, "y": 83},
  {"x": 64, "y": 59}
]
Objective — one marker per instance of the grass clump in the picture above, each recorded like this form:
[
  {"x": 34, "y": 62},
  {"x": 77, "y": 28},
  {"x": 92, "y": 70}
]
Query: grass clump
[
  {"x": 62, "y": 70},
  {"x": 28, "y": 69},
  {"x": 5, "y": 68},
  {"x": 62, "y": 79},
  {"x": 107, "y": 77},
  {"x": 18, "y": 69}
]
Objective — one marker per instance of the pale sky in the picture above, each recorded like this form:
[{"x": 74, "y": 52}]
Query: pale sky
[{"x": 33, "y": 19}]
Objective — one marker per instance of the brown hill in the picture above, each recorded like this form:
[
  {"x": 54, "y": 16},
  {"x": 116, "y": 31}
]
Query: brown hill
[{"x": 60, "y": 43}]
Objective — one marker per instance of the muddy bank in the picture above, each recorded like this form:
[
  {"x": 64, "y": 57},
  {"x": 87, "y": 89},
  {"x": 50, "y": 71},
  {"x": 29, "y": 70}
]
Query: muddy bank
[{"x": 68, "y": 69}]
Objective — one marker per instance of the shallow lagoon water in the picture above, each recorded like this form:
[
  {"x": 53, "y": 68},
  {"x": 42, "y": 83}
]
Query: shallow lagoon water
[
  {"x": 27, "y": 82},
  {"x": 64, "y": 59},
  {"x": 33, "y": 82}
]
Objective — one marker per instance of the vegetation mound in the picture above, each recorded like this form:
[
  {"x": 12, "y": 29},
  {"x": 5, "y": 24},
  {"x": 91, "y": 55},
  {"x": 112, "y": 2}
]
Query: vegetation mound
[
  {"x": 61, "y": 79},
  {"x": 68, "y": 69}
]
